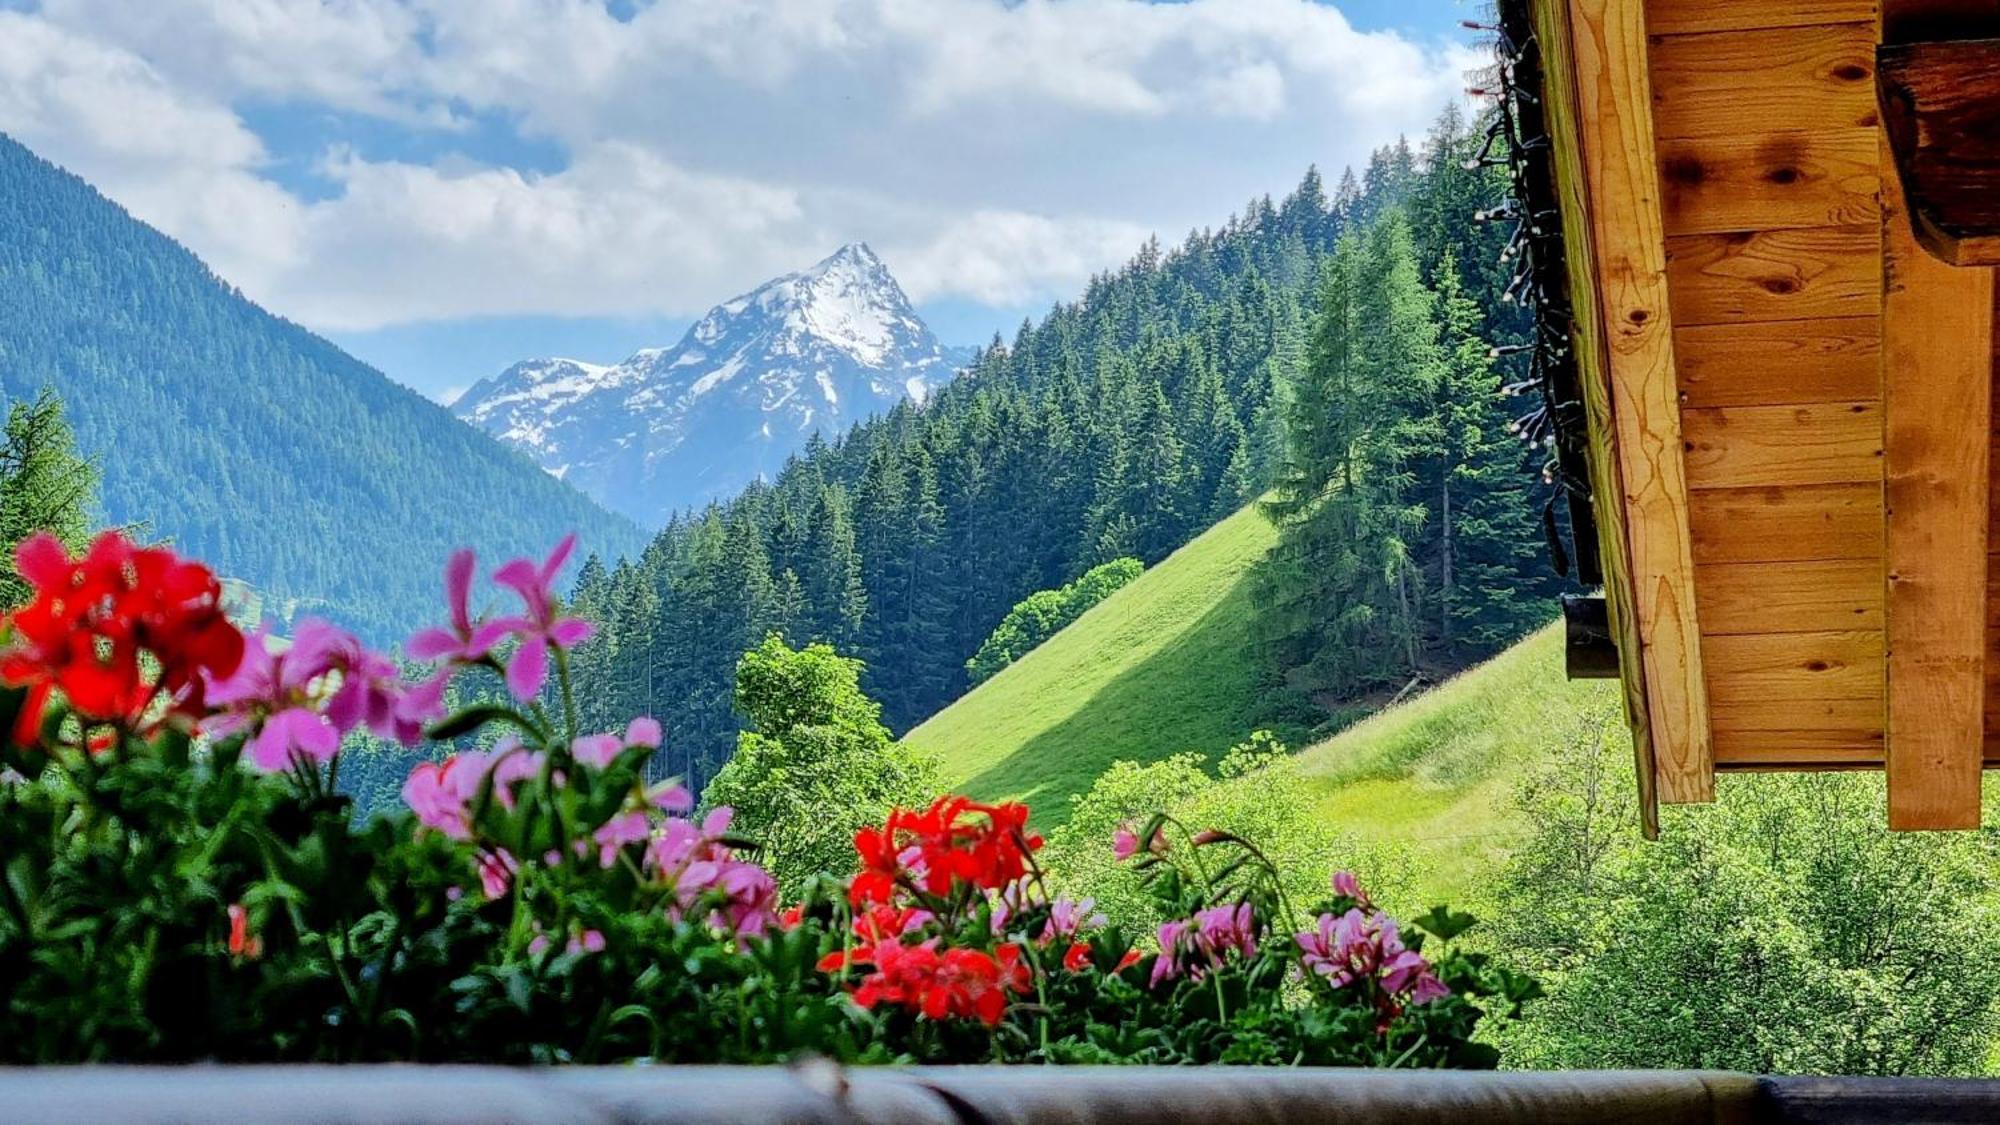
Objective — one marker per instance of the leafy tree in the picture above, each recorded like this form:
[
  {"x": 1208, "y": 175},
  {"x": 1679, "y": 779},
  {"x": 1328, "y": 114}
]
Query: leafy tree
[
  {"x": 44, "y": 485},
  {"x": 1782, "y": 930},
  {"x": 1045, "y": 613},
  {"x": 817, "y": 763}
]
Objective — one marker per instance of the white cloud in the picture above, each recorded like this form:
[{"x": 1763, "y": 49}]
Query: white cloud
[
  {"x": 1006, "y": 258},
  {"x": 1000, "y": 152}
]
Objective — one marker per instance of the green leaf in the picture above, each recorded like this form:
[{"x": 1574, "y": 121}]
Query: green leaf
[{"x": 1444, "y": 922}]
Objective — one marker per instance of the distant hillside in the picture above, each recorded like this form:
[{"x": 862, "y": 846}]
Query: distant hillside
[
  {"x": 1164, "y": 665},
  {"x": 244, "y": 438}
]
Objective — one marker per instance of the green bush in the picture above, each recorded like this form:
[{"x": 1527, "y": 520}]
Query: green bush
[
  {"x": 1044, "y": 613},
  {"x": 1782, "y": 930}
]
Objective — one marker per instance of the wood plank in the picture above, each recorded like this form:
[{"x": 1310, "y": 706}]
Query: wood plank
[
  {"x": 1791, "y": 749},
  {"x": 1808, "y": 443},
  {"x": 1779, "y": 363},
  {"x": 1790, "y": 597},
  {"x": 1801, "y": 79},
  {"x": 1715, "y": 185},
  {"x": 1937, "y": 382},
  {"x": 1775, "y": 275},
  {"x": 1941, "y": 110},
  {"x": 1796, "y": 751},
  {"x": 1759, "y": 668},
  {"x": 1561, "y": 104},
  {"x": 1796, "y": 523},
  {"x": 1680, "y": 17},
  {"x": 1621, "y": 171}
]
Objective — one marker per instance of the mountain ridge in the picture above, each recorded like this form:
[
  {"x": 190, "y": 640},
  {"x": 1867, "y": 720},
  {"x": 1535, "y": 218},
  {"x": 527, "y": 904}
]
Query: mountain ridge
[
  {"x": 669, "y": 428},
  {"x": 244, "y": 438}
]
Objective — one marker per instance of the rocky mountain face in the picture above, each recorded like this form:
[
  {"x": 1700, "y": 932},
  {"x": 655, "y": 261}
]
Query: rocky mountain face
[{"x": 750, "y": 383}]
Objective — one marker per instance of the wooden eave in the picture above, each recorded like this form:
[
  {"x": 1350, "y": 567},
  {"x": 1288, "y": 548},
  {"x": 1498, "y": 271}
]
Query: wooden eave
[{"x": 1788, "y": 381}]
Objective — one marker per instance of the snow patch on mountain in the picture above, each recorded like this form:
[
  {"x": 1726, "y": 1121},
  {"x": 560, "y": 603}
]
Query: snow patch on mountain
[{"x": 749, "y": 384}]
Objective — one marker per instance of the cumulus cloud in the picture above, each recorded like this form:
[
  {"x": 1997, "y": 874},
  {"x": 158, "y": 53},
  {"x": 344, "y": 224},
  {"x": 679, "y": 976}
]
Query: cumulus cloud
[{"x": 998, "y": 152}]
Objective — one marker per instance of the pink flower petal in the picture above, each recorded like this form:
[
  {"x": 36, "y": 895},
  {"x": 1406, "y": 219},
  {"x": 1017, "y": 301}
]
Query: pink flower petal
[
  {"x": 570, "y": 632},
  {"x": 458, "y": 588},
  {"x": 528, "y": 670}
]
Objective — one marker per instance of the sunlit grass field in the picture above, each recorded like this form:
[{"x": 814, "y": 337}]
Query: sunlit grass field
[{"x": 1167, "y": 664}]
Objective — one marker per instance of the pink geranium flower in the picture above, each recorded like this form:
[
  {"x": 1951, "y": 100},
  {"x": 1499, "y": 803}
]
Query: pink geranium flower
[
  {"x": 465, "y": 640},
  {"x": 1362, "y": 946},
  {"x": 544, "y": 627}
]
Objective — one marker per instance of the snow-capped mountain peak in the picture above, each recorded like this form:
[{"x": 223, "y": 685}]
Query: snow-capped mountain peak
[{"x": 669, "y": 428}]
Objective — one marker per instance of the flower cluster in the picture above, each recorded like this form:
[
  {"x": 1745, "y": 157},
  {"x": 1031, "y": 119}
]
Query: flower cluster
[
  {"x": 297, "y": 699},
  {"x": 705, "y": 878},
  {"x": 128, "y": 635},
  {"x": 1363, "y": 948},
  {"x": 955, "y": 842},
  {"x": 1193, "y": 947},
  {"x": 938, "y": 982}
]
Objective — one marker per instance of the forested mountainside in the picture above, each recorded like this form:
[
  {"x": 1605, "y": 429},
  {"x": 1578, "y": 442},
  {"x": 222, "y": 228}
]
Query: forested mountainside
[
  {"x": 244, "y": 439},
  {"x": 1125, "y": 423},
  {"x": 671, "y": 429}
]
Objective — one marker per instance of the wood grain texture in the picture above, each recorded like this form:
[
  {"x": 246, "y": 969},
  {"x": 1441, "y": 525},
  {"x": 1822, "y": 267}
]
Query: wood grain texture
[
  {"x": 1561, "y": 103},
  {"x": 1776, "y": 275},
  {"x": 1716, "y": 185},
  {"x": 1827, "y": 595},
  {"x": 1937, "y": 376},
  {"x": 1794, "y": 79},
  {"x": 1807, "y": 443},
  {"x": 1761, "y": 669},
  {"x": 1941, "y": 111},
  {"x": 1620, "y": 168},
  {"x": 1780, "y": 363},
  {"x": 1798, "y": 523},
  {"x": 1680, "y": 17},
  {"x": 1797, "y": 751}
]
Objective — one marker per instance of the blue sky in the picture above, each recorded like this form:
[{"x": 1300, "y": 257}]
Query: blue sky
[{"x": 446, "y": 186}]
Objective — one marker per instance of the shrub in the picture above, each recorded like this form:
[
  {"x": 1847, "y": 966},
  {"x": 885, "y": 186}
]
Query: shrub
[
  {"x": 1045, "y": 613},
  {"x": 184, "y": 879},
  {"x": 1783, "y": 930}
]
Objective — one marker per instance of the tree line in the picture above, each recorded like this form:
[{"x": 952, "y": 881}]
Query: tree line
[{"x": 1174, "y": 391}]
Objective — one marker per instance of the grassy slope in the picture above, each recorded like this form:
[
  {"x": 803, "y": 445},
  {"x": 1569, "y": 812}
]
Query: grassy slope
[
  {"x": 1437, "y": 774},
  {"x": 1165, "y": 665},
  {"x": 1161, "y": 666}
]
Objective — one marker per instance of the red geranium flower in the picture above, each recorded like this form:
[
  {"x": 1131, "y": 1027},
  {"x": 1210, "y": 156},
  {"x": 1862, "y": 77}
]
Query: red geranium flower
[
  {"x": 937, "y": 984},
  {"x": 955, "y": 840},
  {"x": 93, "y": 616}
]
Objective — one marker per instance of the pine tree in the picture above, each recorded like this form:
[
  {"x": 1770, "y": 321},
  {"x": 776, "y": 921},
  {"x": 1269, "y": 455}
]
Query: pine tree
[
  {"x": 1487, "y": 557},
  {"x": 44, "y": 486},
  {"x": 1343, "y": 592}
]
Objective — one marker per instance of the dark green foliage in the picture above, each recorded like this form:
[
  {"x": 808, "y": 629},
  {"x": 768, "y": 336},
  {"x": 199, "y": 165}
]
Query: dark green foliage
[
  {"x": 816, "y": 763},
  {"x": 44, "y": 486},
  {"x": 243, "y": 438},
  {"x": 1044, "y": 613}
]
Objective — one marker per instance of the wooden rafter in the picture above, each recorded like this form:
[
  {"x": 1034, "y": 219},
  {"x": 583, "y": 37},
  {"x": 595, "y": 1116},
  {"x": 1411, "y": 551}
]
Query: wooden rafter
[
  {"x": 1937, "y": 376},
  {"x": 1599, "y": 94}
]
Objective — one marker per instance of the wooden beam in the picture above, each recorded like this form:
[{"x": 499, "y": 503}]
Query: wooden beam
[
  {"x": 1941, "y": 108},
  {"x": 1559, "y": 103},
  {"x": 1937, "y": 376},
  {"x": 1614, "y": 230}
]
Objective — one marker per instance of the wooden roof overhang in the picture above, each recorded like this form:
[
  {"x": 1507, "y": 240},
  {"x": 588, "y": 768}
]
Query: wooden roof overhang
[{"x": 1788, "y": 378}]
